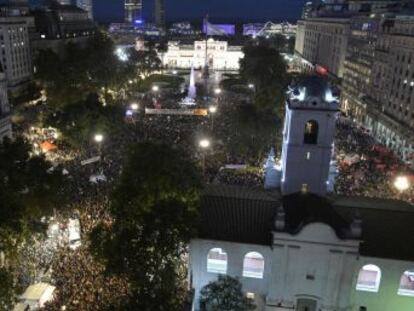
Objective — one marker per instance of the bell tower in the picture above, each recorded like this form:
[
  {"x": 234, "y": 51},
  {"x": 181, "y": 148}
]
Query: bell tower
[{"x": 308, "y": 135}]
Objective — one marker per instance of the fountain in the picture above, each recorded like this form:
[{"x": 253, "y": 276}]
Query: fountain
[{"x": 192, "y": 92}]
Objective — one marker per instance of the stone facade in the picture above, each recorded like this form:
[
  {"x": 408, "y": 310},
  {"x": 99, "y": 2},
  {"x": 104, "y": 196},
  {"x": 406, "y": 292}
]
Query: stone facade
[{"x": 220, "y": 56}]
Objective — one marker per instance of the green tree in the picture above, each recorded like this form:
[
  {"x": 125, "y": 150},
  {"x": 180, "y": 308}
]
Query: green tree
[
  {"x": 154, "y": 207},
  {"x": 80, "y": 121},
  {"x": 81, "y": 71},
  {"x": 266, "y": 69},
  {"x": 224, "y": 294},
  {"x": 250, "y": 132},
  {"x": 7, "y": 295},
  {"x": 145, "y": 62}
]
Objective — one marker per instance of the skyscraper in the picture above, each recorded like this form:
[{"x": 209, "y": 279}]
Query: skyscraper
[
  {"x": 159, "y": 13},
  {"x": 133, "y": 10},
  {"x": 87, "y": 6}
]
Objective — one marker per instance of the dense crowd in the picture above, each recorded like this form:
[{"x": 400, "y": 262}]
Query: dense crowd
[{"x": 365, "y": 168}]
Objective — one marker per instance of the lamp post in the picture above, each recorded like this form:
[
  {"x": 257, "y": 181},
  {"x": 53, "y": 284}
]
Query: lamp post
[
  {"x": 217, "y": 92},
  {"x": 402, "y": 184},
  {"x": 204, "y": 144},
  {"x": 212, "y": 110},
  {"x": 99, "y": 139}
]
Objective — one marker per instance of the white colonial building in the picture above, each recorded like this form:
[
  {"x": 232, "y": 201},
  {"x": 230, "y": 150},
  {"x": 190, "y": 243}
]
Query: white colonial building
[
  {"x": 219, "y": 55},
  {"x": 296, "y": 248}
]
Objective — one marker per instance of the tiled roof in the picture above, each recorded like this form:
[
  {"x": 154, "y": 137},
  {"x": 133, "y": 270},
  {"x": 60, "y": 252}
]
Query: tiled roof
[{"x": 246, "y": 215}]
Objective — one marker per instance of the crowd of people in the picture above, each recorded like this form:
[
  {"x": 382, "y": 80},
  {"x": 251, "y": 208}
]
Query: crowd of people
[{"x": 367, "y": 168}]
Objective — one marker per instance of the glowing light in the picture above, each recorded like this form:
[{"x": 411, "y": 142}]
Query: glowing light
[
  {"x": 204, "y": 143},
  {"x": 212, "y": 109},
  {"x": 217, "y": 91},
  {"x": 251, "y": 86},
  {"x": 155, "y": 88},
  {"x": 122, "y": 56},
  {"x": 174, "y": 72},
  {"x": 134, "y": 106},
  {"x": 402, "y": 183},
  {"x": 98, "y": 138},
  {"x": 329, "y": 97}
]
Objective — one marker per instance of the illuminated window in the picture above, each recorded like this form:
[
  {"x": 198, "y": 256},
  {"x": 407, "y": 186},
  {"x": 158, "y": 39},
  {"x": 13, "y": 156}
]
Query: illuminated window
[
  {"x": 407, "y": 284},
  {"x": 369, "y": 278},
  {"x": 311, "y": 133},
  {"x": 253, "y": 265},
  {"x": 308, "y": 155},
  {"x": 217, "y": 261}
]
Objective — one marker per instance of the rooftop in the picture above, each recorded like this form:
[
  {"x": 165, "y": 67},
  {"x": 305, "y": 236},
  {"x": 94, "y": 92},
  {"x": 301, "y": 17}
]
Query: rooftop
[{"x": 246, "y": 215}]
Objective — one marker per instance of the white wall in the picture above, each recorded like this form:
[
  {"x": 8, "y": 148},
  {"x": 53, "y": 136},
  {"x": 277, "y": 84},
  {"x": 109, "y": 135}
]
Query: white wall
[{"x": 314, "y": 263}]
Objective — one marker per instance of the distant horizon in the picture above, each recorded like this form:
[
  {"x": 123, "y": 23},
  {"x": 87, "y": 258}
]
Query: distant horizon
[{"x": 194, "y": 10}]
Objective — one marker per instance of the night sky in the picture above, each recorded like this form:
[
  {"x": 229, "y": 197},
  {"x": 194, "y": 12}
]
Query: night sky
[{"x": 219, "y": 10}]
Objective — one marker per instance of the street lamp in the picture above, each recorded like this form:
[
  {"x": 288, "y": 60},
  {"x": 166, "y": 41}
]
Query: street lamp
[
  {"x": 401, "y": 183},
  {"x": 251, "y": 86},
  {"x": 217, "y": 91},
  {"x": 212, "y": 110},
  {"x": 155, "y": 88},
  {"x": 204, "y": 144},
  {"x": 99, "y": 139},
  {"x": 134, "y": 106}
]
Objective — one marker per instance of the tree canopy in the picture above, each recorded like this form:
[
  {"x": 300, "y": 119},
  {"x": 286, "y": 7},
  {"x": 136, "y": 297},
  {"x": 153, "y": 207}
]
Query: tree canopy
[
  {"x": 93, "y": 68},
  {"x": 224, "y": 294},
  {"x": 265, "y": 68},
  {"x": 80, "y": 121},
  {"x": 154, "y": 207}
]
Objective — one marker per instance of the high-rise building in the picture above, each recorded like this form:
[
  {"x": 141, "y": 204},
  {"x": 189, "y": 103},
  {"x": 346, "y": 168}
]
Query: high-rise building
[
  {"x": 133, "y": 10},
  {"x": 382, "y": 81},
  {"x": 324, "y": 43},
  {"x": 159, "y": 13},
  {"x": 15, "y": 50},
  {"x": 5, "y": 122},
  {"x": 87, "y": 6}
]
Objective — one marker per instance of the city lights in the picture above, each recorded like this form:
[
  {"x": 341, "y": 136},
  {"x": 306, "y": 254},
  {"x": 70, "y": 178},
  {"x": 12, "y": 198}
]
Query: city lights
[{"x": 402, "y": 183}]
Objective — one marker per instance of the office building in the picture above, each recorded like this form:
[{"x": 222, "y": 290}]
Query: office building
[
  {"x": 5, "y": 122},
  {"x": 86, "y": 5},
  {"x": 133, "y": 11},
  {"x": 58, "y": 25},
  {"x": 159, "y": 13},
  {"x": 15, "y": 51}
]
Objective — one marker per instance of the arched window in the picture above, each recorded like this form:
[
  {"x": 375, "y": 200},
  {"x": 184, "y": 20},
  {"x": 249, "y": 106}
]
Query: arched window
[
  {"x": 253, "y": 265},
  {"x": 369, "y": 278},
  {"x": 407, "y": 284},
  {"x": 217, "y": 261},
  {"x": 311, "y": 133}
]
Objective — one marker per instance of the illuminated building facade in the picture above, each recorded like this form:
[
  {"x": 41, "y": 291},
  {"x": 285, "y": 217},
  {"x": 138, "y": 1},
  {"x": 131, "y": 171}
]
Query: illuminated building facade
[{"x": 220, "y": 55}]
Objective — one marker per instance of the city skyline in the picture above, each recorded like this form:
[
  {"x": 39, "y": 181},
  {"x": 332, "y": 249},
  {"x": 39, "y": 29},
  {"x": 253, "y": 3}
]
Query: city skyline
[{"x": 109, "y": 10}]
